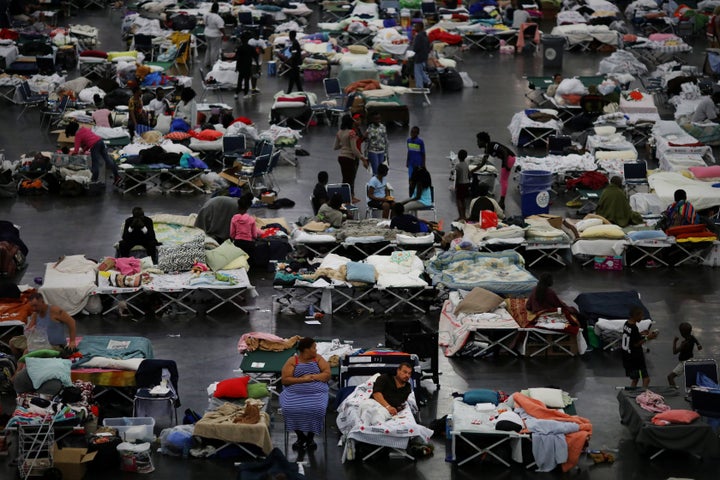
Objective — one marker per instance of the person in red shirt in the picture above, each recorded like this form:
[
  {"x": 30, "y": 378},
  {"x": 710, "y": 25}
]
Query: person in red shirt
[
  {"x": 243, "y": 230},
  {"x": 87, "y": 141}
]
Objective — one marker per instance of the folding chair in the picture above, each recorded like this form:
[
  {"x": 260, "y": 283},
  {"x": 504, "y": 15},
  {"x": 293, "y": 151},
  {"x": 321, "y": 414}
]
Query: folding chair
[
  {"x": 174, "y": 61},
  {"x": 29, "y": 99},
  {"x": 144, "y": 44},
  {"x": 55, "y": 115},
  {"x": 233, "y": 148},
  {"x": 344, "y": 190},
  {"x": 429, "y": 11},
  {"x": 274, "y": 159},
  {"x": 706, "y": 366},
  {"x": 260, "y": 169},
  {"x": 390, "y": 8},
  {"x": 247, "y": 23},
  {"x": 635, "y": 176},
  {"x": 369, "y": 211},
  {"x": 151, "y": 401},
  {"x": 210, "y": 87}
]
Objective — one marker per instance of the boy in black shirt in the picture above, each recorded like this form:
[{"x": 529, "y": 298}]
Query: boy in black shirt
[
  {"x": 632, "y": 348},
  {"x": 320, "y": 194},
  {"x": 684, "y": 351}
]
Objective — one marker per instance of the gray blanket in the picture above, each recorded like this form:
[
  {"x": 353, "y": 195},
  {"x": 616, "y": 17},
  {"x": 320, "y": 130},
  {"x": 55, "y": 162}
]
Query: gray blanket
[{"x": 214, "y": 217}]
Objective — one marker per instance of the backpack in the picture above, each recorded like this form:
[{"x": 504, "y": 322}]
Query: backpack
[
  {"x": 451, "y": 81},
  {"x": 10, "y": 259}
]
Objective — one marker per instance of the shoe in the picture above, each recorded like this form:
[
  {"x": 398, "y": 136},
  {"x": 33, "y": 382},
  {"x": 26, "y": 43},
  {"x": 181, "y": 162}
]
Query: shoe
[
  {"x": 246, "y": 96},
  {"x": 299, "y": 445},
  {"x": 255, "y": 91},
  {"x": 574, "y": 203},
  {"x": 235, "y": 96}
]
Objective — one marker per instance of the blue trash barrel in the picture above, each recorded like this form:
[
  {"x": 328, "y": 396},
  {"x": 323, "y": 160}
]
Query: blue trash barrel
[{"x": 535, "y": 192}]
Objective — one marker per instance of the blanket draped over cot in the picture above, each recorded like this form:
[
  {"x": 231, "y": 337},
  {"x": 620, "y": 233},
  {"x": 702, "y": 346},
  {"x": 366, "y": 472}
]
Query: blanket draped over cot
[
  {"x": 120, "y": 348},
  {"x": 501, "y": 272}
]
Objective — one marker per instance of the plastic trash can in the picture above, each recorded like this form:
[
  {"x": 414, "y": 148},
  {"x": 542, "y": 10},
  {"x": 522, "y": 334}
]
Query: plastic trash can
[
  {"x": 553, "y": 48},
  {"x": 535, "y": 192}
]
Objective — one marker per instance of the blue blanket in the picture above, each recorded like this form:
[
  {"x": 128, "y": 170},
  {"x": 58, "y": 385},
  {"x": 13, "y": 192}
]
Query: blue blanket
[{"x": 119, "y": 347}]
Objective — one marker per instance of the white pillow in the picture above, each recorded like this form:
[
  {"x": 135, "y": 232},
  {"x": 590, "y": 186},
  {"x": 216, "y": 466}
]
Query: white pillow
[
  {"x": 583, "y": 225},
  {"x": 411, "y": 240},
  {"x": 604, "y": 130},
  {"x": 551, "y": 397}
]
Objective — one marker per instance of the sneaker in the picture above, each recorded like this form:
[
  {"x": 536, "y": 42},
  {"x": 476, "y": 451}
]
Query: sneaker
[
  {"x": 246, "y": 96},
  {"x": 235, "y": 96},
  {"x": 255, "y": 91}
]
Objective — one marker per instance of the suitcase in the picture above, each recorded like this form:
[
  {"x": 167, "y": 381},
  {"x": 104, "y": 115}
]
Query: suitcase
[{"x": 707, "y": 366}]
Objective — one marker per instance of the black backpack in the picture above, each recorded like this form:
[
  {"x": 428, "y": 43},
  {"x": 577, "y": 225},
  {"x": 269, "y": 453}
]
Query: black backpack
[{"x": 451, "y": 81}]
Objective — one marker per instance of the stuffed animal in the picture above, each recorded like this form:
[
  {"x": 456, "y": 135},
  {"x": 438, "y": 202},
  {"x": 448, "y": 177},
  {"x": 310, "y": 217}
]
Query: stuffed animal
[{"x": 199, "y": 267}]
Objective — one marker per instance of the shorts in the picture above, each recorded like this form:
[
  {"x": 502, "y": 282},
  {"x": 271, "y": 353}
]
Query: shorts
[
  {"x": 462, "y": 191},
  {"x": 376, "y": 203},
  {"x": 679, "y": 369},
  {"x": 636, "y": 373},
  {"x": 18, "y": 343}
]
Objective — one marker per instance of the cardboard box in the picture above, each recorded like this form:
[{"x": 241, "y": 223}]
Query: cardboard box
[
  {"x": 268, "y": 198},
  {"x": 553, "y": 220},
  {"x": 72, "y": 462},
  {"x": 231, "y": 175}
]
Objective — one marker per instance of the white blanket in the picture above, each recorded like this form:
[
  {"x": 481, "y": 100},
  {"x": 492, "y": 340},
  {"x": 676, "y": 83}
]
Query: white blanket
[
  {"x": 69, "y": 283},
  {"x": 701, "y": 194},
  {"x": 401, "y": 269}
]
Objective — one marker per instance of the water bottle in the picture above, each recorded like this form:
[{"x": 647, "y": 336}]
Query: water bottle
[
  {"x": 272, "y": 421},
  {"x": 448, "y": 439}
]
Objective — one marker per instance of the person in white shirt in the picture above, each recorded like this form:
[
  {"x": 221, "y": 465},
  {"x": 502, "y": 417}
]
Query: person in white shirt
[
  {"x": 159, "y": 105},
  {"x": 214, "y": 31},
  {"x": 706, "y": 110}
]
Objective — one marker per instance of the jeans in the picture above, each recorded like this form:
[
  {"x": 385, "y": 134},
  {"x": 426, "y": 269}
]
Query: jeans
[
  {"x": 98, "y": 153},
  {"x": 421, "y": 77},
  {"x": 375, "y": 159}
]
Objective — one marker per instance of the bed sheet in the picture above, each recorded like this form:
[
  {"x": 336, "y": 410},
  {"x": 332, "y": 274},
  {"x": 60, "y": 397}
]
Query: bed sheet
[
  {"x": 223, "y": 73},
  {"x": 673, "y": 162},
  {"x": 598, "y": 247},
  {"x": 697, "y": 438},
  {"x": 520, "y": 121},
  {"x": 616, "y": 141},
  {"x": 395, "y": 432},
  {"x": 558, "y": 163},
  {"x": 671, "y": 138},
  {"x": 701, "y": 194},
  {"x": 219, "y": 424},
  {"x": 501, "y": 273},
  {"x": 69, "y": 282},
  {"x": 400, "y": 270},
  {"x": 645, "y": 105},
  {"x": 707, "y": 133},
  {"x": 206, "y": 280},
  {"x": 580, "y": 33},
  {"x": 454, "y": 331},
  {"x": 115, "y": 347}
]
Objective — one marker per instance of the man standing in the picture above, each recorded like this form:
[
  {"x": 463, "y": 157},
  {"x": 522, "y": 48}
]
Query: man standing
[
  {"x": 214, "y": 31},
  {"x": 392, "y": 391},
  {"x": 295, "y": 62},
  {"x": 421, "y": 47}
]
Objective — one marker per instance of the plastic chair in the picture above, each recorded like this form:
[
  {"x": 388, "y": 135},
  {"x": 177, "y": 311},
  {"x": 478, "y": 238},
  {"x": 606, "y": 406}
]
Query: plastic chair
[
  {"x": 274, "y": 159},
  {"x": 172, "y": 63},
  {"x": 150, "y": 374}
]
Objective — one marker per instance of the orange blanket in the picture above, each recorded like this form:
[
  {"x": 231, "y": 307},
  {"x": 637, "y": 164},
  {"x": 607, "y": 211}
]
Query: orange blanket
[
  {"x": 16, "y": 308},
  {"x": 576, "y": 441}
]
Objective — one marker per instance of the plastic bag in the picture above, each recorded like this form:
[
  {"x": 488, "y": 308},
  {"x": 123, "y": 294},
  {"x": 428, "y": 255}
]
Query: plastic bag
[
  {"x": 176, "y": 441},
  {"x": 135, "y": 458},
  {"x": 37, "y": 339}
]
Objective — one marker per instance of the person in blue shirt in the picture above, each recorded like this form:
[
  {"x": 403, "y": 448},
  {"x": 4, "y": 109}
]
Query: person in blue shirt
[
  {"x": 420, "y": 187},
  {"x": 377, "y": 191},
  {"x": 416, "y": 151}
]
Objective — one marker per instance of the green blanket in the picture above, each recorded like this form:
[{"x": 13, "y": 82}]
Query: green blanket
[{"x": 614, "y": 206}]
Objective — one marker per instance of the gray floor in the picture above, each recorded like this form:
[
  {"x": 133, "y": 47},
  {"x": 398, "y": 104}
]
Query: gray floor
[{"x": 205, "y": 348}]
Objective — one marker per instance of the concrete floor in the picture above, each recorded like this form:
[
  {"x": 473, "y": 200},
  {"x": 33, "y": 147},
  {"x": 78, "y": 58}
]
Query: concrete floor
[{"x": 205, "y": 348}]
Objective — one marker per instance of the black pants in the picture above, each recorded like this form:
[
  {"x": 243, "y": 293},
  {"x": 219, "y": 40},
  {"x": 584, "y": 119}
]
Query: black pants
[
  {"x": 248, "y": 246},
  {"x": 243, "y": 79},
  {"x": 348, "y": 170},
  {"x": 294, "y": 79}
]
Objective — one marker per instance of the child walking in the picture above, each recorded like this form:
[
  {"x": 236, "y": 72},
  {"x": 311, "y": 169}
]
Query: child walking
[
  {"x": 415, "y": 152},
  {"x": 684, "y": 351},
  {"x": 632, "y": 348}
]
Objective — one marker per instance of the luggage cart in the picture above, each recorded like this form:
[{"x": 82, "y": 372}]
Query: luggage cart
[{"x": 35, "y": 450}]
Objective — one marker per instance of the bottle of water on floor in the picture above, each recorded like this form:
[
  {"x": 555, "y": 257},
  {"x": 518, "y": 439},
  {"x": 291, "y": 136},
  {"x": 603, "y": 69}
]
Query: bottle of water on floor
[{"x": 448, "y": 438}]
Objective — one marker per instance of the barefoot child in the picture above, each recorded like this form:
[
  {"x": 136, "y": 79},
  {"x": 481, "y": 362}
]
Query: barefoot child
[{"x": 684, "y": 351}]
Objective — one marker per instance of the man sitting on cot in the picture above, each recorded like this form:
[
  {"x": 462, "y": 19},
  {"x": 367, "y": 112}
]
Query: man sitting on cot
[{"x": 390, "y": 394}]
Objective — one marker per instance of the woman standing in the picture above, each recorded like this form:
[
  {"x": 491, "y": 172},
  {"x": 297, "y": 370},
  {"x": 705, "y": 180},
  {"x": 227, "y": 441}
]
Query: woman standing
[
  {"x": 349, "y": 156},
  {"x": 304, "y": 397},
  {"x": 245, "y": 56},
  {"x": 506, "y": 156},
  {"x": 376, "y": 142}
]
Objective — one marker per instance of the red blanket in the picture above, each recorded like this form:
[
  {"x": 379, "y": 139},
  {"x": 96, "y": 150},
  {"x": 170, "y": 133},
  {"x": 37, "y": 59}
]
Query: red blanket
[{"x": 576, "y": 441}]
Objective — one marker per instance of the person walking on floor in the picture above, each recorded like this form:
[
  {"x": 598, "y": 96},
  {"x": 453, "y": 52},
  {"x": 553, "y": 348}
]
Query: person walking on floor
[
  {"x": 632, "y": 348},
  {"x": 415, "y": 152},
  {"x": 245, "y": 56},
  {"x": 376, "y": 142},
  {"x": 295, "y": 61},
  {"x": 349, "y": 155},
  {"x": 684, "y": 351},
  {"x": 462, "y": 184},
  {"x": 214, "y": 31}
]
